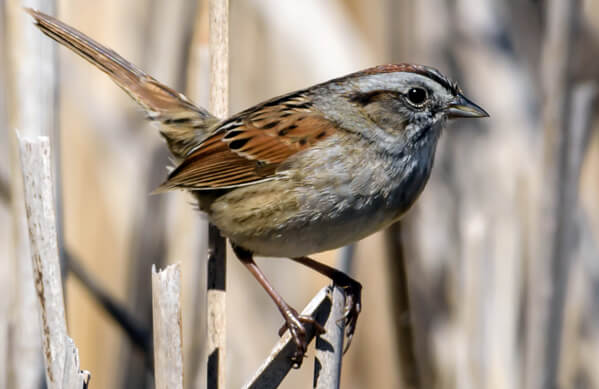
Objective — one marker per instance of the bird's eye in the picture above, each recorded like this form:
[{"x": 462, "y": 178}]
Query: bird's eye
[{"x": 417, "y": 96}]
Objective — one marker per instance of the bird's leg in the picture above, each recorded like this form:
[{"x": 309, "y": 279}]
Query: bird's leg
[
  {"x": 353, "y": 293},
  {"x": 293, "y": 321}
]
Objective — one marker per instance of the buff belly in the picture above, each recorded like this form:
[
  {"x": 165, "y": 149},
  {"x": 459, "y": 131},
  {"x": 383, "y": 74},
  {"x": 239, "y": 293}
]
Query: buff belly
[{"x": 274, "y": 219}]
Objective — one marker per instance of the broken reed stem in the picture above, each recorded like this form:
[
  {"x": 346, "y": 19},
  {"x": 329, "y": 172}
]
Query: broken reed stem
[
  {"x": 30, "y": 76},
  {"x": 329, "y": 346},
  {"x": 60, "y": 354},
  {"x": 219, "y": 99},
  {"x": 166, "y": 314}
]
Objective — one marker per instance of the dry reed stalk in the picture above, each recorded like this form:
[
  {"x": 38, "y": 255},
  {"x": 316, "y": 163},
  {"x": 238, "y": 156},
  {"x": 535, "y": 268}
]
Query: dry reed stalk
[
  {"x": 278, "y": 363},
  {"x": 550, "y": 270},
  {"x": 404, "y": 331},
  {"x": 219, "y": 98},
  {"x": 329, "y": 346},
  {"x": 164, "y": 48},
  {"x": 581, "y": 240},
  {"x": 194, "y": 299},
  {"x": 60, "y": 354},
  {"x": 166, "y": 312},
  {"x": 31, "y": 85}
]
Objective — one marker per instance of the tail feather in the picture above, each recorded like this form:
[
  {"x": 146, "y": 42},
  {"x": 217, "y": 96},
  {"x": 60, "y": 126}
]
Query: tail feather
[{"x": 183, "y": 124}]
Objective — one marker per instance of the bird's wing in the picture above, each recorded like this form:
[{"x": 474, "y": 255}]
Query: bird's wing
[{"x": 250, "y": 146}]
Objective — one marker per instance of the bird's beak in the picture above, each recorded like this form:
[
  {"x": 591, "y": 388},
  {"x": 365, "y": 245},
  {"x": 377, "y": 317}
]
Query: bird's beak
[{"x": 464, "y": 108}]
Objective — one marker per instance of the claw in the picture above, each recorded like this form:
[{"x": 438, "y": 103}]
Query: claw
[
  {"x": 295, "y": 324},
  {"x": 353, "y": 307},
  {"x": 318, "y": 328}
]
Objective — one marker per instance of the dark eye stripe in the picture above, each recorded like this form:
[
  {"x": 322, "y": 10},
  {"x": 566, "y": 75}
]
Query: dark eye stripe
[
  {"x": 364, "y": 99},
  {"x": 416, "y": 96}
]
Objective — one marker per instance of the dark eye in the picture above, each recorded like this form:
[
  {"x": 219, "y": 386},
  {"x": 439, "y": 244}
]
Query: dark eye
[{"x": 417, "y": 96}]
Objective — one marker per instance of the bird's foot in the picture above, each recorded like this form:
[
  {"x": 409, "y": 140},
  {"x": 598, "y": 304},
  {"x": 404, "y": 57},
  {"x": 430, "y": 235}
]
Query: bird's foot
[
  {"x": 353, "y": 307},
  {"x": 295, "y": 323}
]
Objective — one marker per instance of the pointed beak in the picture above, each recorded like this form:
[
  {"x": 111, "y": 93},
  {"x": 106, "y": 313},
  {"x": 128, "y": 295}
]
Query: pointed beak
[{"x": 464, "y": 108}]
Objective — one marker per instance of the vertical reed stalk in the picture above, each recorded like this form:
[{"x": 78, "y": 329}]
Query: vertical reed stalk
[
  {"x": 219, "y": 98},
  {"x": 166, "y": 313}
]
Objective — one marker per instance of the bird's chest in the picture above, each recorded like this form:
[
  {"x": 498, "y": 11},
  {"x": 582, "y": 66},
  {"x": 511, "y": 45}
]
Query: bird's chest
[
  {"x": 380, "y": 195},
  {"x": 361, "y": 199},
  {"x": 322, "y": 203}
]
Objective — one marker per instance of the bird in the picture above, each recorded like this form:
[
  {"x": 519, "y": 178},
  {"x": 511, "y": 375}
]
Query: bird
[{"x": 301, "y": 173}]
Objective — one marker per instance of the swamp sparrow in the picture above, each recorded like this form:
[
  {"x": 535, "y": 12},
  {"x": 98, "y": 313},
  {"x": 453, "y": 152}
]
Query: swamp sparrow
[{"x": 305, "y": 172}]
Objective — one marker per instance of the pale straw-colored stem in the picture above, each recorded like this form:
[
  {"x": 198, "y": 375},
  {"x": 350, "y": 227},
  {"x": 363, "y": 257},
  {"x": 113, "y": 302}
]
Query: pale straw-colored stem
[
  {"x": 166, "y": 314},
  {"x": 219, "y": 99},
  {"x": 60, "y": 354},
  {"x": 30, "y": 75}
]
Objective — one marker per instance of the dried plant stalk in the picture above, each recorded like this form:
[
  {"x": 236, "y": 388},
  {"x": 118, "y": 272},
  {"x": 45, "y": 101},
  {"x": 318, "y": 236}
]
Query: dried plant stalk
[
  {"x": 329, "y": 346},
  {"x": 551, "y": 268},
  {"x": 31, "y": 85},
  {"x": 61, "y": 355},
  {"x": 166, "y": 313},
  {"x": 219, "y": 97},
  {"x": 278, "y": 363}
]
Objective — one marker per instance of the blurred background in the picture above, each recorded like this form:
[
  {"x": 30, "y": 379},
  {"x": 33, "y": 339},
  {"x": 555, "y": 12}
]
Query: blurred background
[{"x": 491, "y": 281}]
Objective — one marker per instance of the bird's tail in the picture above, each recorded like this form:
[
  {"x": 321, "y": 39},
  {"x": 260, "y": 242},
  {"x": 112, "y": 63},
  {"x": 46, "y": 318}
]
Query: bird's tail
[{"x": 183, "y": 124}]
